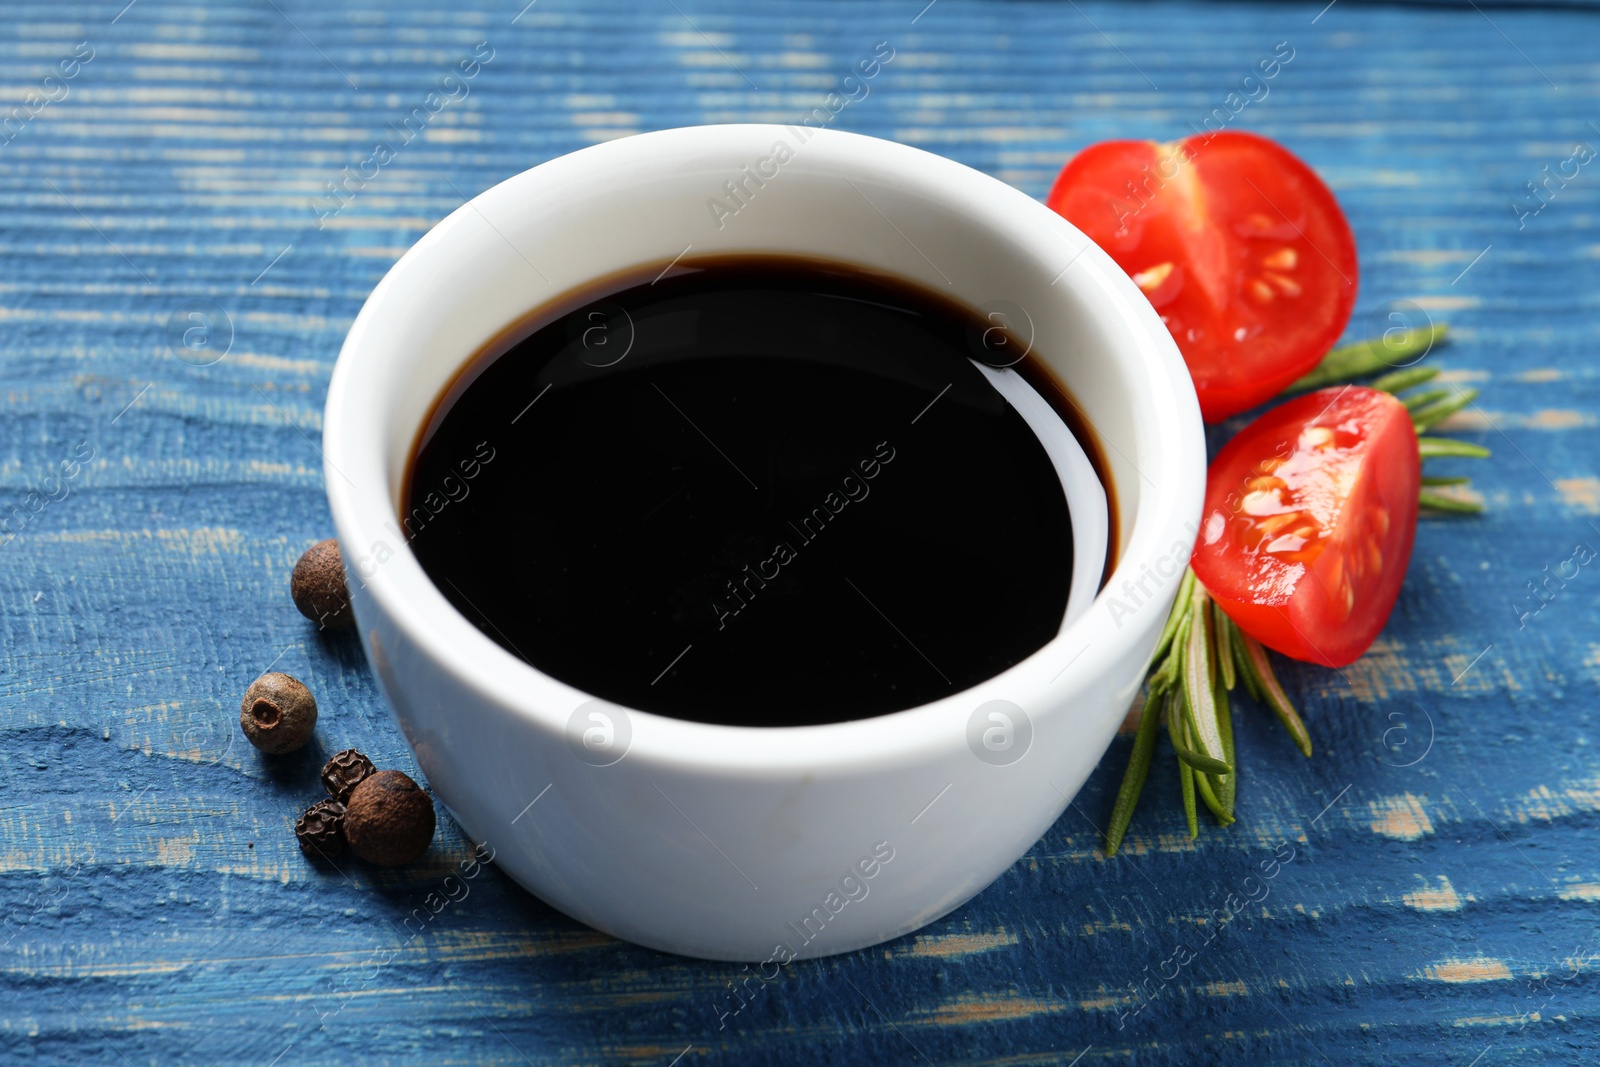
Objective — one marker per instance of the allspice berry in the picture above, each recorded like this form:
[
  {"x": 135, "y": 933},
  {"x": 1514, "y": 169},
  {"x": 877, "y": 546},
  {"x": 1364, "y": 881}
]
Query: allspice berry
[
  {"x": 278, "y": 713},
  {"x": 318, "y": 587},
  {"x": 343, "y": 772},
  {"x": 320, "y": 830},
  {"x": 389, "y": 819}
]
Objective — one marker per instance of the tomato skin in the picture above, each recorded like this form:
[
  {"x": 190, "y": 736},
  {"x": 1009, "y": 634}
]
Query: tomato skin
[
  {"x": 1310, "y": 513},
  {"x": 1236, "y": 242}
]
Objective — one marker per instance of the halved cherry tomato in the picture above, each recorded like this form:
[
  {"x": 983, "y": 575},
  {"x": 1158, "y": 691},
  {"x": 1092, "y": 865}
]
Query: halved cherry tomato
[
  {"x": 1309, "y": 517},
  {"x": 1239, "y": 246}
]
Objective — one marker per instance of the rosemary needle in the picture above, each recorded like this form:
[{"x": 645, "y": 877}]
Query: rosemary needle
[
  {"x": 1144, "y": 747},
  {"x": 1185, "y": 772}
]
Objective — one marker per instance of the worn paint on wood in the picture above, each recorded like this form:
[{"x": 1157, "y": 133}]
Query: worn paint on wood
[{"x": 1439, "y": 905}]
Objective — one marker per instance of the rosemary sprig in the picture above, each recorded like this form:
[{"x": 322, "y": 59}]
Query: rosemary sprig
[{"x": 1201, "y": 654}]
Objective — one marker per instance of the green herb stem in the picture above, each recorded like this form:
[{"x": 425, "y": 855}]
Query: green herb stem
[
  {"x": 1427, "y": 396},
  {"x": 1404, "y": 379},
  {"x": 1441, "y": 502},
  {"x": 1175, "y": 617},
  {"x": 1185, "y": 772},
  {"x": 1435, "y": 447},
  {"x": 1241, "y": 659},
  {"x": 1197, "y": 694},
  {"x": 1348, "y": 362},
  {"x": 1198, "y": 760},
  {"x": 1144, "y": 747},
  {"x": 1205, "y": 785},
  {"x": 1222, "y": 631},
  {"x": 1276, "y": 698},
  {"x": 1425, "y": 416},
  {"x": 1172, "y": 668},
  {"x": 1229, "y": 781}
]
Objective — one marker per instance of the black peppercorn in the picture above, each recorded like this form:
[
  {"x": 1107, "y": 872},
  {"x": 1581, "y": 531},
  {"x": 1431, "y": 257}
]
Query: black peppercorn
[
  {"x": 343, "y": 772},
  {"x": 278, "y": 713},
  {"x": 320, "y": 830},
  {"x": 389, "y": 819},
  {"x": 318, "y": 587}
]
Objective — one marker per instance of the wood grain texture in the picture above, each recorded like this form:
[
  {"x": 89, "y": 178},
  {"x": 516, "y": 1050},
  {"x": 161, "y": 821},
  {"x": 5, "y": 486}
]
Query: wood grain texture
[{"x": 1441, "y": 898}]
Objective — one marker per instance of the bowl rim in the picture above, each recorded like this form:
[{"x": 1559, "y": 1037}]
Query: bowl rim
[{"x": 410, "y": 602}]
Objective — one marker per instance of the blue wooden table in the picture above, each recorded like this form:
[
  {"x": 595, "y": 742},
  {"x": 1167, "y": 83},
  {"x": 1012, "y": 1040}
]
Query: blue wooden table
[{"x": 1425, "y": 889}]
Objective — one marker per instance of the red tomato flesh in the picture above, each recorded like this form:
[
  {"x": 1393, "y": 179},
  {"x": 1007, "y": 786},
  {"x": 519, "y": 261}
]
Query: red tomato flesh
[
  {"x": 1236, "y": 242},
  {"x": 1309, "y": 517}
]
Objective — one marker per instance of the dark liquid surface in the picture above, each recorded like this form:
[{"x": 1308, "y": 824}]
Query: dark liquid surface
[{"x": 758, "y": 491}]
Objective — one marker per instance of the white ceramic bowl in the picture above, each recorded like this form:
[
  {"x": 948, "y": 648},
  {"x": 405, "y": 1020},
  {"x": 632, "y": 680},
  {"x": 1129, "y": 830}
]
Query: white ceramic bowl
[{"x": 732, "y": 842}]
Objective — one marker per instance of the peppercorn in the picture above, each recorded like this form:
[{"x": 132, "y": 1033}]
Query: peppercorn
[
  {"x": 389, "y": 819},
  {"x": 319, "y": 589},
  {"x": 278, "y": 713},
  {"x": 343, "y": 772},
  {"x": 320, "y": 830}
]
